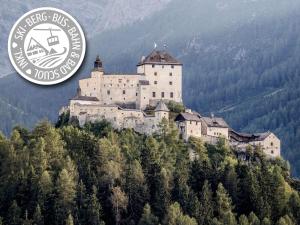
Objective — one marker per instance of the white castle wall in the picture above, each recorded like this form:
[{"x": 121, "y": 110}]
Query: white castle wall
[{"x": 164, "y": 80}]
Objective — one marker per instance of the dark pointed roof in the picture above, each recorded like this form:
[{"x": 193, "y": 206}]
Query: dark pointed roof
[
  {"x": 244, "y": 137},
  {"x": 186, "y": 116},
  {"x": 98, "y": 64},
  {"x": 161, "y": 106},
  {"x": 215, "y": 122},
  {"x": 159, "y": 57}
]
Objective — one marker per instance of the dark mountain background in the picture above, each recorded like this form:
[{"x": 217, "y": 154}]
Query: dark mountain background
[{"x": 241, "y": 61}]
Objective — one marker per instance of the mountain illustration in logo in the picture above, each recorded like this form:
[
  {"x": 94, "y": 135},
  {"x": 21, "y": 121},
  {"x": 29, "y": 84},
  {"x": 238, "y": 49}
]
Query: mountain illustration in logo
[
  {"x": 35, "y": 49},
  {"x": 40, "y": 56}
]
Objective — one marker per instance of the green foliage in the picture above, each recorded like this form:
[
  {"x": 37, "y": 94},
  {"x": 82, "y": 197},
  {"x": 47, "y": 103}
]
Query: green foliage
[
  {"x": 73, "y": 175},
  {"x": 176, "y": 217},
  {"x": 147, "y": 217}
]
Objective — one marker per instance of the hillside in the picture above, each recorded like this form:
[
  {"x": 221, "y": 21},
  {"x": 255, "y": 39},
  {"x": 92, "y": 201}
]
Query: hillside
[
  {"x": 95, "y": 175},
  {"x": 241, "y": 61}
]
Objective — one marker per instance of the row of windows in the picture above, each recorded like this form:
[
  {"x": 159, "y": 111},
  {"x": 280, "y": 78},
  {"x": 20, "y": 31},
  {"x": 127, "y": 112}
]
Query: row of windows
[
  {"x": 170, "y": 74},
  {"x": 162, "y": 94},
  {"x": 108, "y": 92},
  {"x": 162, "y": 66},
  {"x": 170, "y": 82}
]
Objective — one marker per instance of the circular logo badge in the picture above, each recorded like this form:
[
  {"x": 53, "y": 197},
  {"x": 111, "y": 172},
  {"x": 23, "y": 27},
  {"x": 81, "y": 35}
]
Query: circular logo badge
[{"x": 46, "y": 46}]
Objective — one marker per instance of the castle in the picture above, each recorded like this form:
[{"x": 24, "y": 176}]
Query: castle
[{"x": 122, "y": 99}]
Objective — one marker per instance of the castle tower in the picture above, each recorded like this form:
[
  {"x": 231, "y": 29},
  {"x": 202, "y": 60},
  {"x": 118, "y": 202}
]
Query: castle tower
[
  {"x": 161, "y": 111},
  {"x": 164, "y": 74},
  {"x": 98, "y": 64}
]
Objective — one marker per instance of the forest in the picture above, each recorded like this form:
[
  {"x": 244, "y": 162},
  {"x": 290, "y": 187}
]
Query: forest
[{"x": 68, "y": 175}]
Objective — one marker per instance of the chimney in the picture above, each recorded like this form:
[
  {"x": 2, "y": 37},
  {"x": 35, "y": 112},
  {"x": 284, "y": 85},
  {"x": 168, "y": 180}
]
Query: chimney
[{"x": 188, "y": 110}]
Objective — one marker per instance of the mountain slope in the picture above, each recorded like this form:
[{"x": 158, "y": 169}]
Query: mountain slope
[{"x": 241, "y": 61}]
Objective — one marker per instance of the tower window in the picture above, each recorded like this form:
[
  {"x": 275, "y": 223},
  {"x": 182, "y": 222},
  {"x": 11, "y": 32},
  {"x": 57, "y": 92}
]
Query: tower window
[
  {"x": 163, "y": 94},
  {"x": 155, "y": 73},
  {"x": 171, "y": 83},
  {"x": 108, "y": 92},
  {"x": 171, "y": 95},
  {"x": 155, "y": 82},
  {"x": 124, "y": 92}
]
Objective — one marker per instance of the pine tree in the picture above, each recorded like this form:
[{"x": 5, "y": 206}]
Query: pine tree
[
  {"x": 147, "y": 217},
  {"x": 66, "y": 192},
  {"x": 243, "y": 220},
  {"x": 136, "y": 189},
  {"x": 26, "y": 220},
  {"x": 119, "y": 202},
  {"x": 294, "y": 206},
  {"x": 286, "y": 220},
  {"x": 94, "y": 209},
  {"x": 266, "y": 221},
  {"x": 14, "y": 214},
  {"x": 69, "y": 220},
  {"x": 206, "y": 205},
  {"x": 37, "y": 216},
  {"x": 175, "y": 216},
  {"x": 224, "y": 207},
  {"x": 253, "y": 219}
]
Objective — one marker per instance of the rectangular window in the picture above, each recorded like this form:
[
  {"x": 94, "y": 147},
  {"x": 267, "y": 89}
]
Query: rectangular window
[
  {"x": 108, "y": 92},
  {"x": 153, "y": 66},
  {"x": 153, "y": 94},
  {"x": 136, "y": 94},
  {"x": 171, "y": 83},
  {"x": 124, "y": 92},
  {"x": 155, "y": 73},
  {"x": 171, "y": 95},
  {"x": 170, "y": 74},
  {"x": 163, "y": 94},
  {"x": 155, "y": 82},
  {"x": 172, "y": 66}
]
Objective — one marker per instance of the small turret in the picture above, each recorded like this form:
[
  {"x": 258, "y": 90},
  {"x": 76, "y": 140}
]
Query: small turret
[
  {"x": 161, "y": 111},
  {"x": 161, "y": 106},
  {"x": 98, "y": 64}
]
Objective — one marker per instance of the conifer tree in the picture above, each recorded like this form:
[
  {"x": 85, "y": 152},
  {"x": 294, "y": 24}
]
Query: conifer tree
[
  {"x": 243, "y": 220},
  {"x": 147, "y": 217},
  {"x": 69, "y": 220},
  {"x": 66, "y": 192},
  {"x": 94, "y": 209},
  {"x": 119, "y": 202},
  {"x": 285, "y": 220},
  {"x": 136, "y": 189},
  {"x": 206, "y": 205},
  {"x": 253, "y": 219},
  {"x": 294, "y": 206},
  {"x": 266, "y": 221},
  {"x": 37, "y": 216},
  {"x": 14, "y": 214},
  {"x": 224, "y": 207},
  {"x": 175, "y": 216}
]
